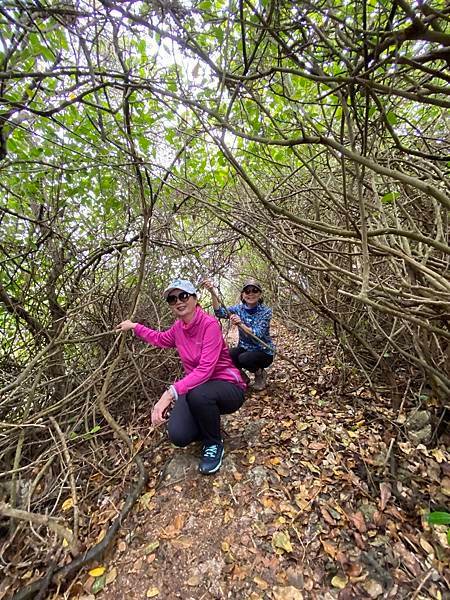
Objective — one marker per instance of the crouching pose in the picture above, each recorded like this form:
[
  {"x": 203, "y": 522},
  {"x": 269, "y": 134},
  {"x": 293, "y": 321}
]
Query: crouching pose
[
  {"x": 254, "y": 317},
  {"x": 212, "y": 385}
]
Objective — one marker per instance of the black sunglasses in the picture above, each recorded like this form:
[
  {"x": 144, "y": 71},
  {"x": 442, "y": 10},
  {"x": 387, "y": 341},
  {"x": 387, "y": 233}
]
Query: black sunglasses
[
  {"x": 251, "y": 290},
  {"x": 173, "y": 298}
]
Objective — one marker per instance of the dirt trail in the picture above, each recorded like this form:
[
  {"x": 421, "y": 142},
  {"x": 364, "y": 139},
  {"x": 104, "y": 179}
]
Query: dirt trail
[{"x": 303, "y": 507}]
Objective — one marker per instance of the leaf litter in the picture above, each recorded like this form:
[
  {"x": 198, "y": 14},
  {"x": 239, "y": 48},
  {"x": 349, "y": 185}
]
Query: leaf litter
[{"x": 305, "y": 506}]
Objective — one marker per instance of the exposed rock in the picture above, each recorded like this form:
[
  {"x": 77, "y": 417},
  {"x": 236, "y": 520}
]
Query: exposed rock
[
  {"x": 421, "y": 436},
  {"x": 373, "y": 588},
  {"x": 180, "y": 465},
  {"x": 259, "y": 476},
  {"x": 286, "y": 593},
  {"x": 418, "y": 427},
  {"x": 418, "y": 420}
]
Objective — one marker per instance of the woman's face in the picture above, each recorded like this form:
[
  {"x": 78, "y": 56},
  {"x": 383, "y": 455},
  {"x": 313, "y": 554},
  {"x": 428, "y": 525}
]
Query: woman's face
[
  {"x": 182, "y": 304},
  {"x": 251, "y": 295}
]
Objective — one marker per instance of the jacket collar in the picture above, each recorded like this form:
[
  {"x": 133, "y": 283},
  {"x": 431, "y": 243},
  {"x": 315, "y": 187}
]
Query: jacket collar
[{"x": 192, "y": 327}]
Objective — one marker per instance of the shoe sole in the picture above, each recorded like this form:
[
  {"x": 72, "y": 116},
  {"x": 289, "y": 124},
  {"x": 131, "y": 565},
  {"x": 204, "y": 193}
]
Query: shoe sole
[{"x": 213, "y": 470}]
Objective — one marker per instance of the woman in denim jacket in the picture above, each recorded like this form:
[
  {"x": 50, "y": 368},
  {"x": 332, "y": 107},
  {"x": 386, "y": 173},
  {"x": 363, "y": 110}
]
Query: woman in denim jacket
[{"x": 253, "y": 319}]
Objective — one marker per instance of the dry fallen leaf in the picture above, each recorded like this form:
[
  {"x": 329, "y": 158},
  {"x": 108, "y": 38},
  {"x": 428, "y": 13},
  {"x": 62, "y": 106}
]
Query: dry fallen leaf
[
  {"x": 329, "y": 548},
  {"x": 302, "y": 426},
  {"x": 174, "y": 528},
  {"x": 152, "y": 592},
  {"x": 358, "y": 521},
  {"x": 408, "y": 559},
  {"x": 239, "y": 572},
  {"x": 65, "y": 543},
  {"x": 339, "y": 581},
  {"x": 263, "y": 585},
  {"x": 385, "y": 494},
  {"x": 97, "y": 572},
  {"x": 426, "y": 546},
  {"x": 151, "y": 547},
  {"x": 445, "y": 486},
  {"x": 194, "y": 581},
  {"x": 111, "y": 576},
  {"x": 282, "y": 541},
  {"x": 145, "y": 498},
  {"x": 183, "y": 541},
  {"x": 327, "y": 517},
  {"x": 316, "y": 446},
  {"x": 27, "y": 575},
  {"x": 438, "y": 455},
  {"x": 67, "y": 504}
]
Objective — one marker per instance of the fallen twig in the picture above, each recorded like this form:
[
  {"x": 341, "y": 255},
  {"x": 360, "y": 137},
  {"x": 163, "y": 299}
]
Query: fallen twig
[
  {"x": 50, "y": 522},
  {"x": 96, "y": 551}
]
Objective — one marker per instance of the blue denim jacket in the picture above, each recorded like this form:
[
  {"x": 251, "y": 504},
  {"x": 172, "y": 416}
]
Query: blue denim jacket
[{"x": 257, "y": 319}]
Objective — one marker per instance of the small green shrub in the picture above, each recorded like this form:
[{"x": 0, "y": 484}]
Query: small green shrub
[{"x": 440, "y": 518}]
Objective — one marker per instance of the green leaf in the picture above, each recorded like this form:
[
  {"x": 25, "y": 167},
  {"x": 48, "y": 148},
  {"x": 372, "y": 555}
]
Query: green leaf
[
  {"x": 47, "y": 53},
  {"x": 98, "y": 584},
  {"x": 390, "y": 197},
  {"x": 172, "y": 86},
  {"x": 439, "y": 518},
  {"x": 218, "y": 33},
  {"x": 391, "y": 118}
]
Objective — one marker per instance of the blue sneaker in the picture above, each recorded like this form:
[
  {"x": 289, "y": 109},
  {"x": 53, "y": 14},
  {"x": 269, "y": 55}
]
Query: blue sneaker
[{"x": 211, "y": 459}]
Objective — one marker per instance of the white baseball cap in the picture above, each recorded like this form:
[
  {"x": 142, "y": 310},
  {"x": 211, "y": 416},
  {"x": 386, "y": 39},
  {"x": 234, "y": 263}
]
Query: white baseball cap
[{"x": 180, "y": 284}]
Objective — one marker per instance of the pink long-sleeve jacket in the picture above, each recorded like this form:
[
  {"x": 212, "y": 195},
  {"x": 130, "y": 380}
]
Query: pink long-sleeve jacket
[{"x": 201, "y": 347}]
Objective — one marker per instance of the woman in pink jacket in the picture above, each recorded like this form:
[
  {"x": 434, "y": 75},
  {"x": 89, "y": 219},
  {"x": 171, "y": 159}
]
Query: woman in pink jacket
[{"x": 212, "y": 385}]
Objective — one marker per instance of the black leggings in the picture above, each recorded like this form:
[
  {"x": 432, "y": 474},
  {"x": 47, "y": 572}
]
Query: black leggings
[
  {"x": 251, "y": 360},
  {"x": 196, "y": 415}
]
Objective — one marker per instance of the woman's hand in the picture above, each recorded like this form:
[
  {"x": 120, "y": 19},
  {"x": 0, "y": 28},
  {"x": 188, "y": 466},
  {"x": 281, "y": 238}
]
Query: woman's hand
[
  {"x": 208, "y": 284},
  {"x": 235, "y": 319},
  {"x": 126, "y": 325},
  {"x": 160, "y": 408}
]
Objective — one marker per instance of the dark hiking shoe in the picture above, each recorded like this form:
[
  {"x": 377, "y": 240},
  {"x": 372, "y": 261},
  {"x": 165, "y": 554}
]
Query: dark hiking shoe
[
  {"x": 211, "y": 459},
  {"x": 260, "y": 380},
  {"x": 245, "y": 377}
]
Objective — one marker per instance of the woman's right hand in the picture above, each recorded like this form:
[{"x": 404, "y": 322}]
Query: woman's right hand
[
  {"x": 208, "y": 284},
  {"x": 126, "y": 325},
  {"x": 160, "y": 408}
]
